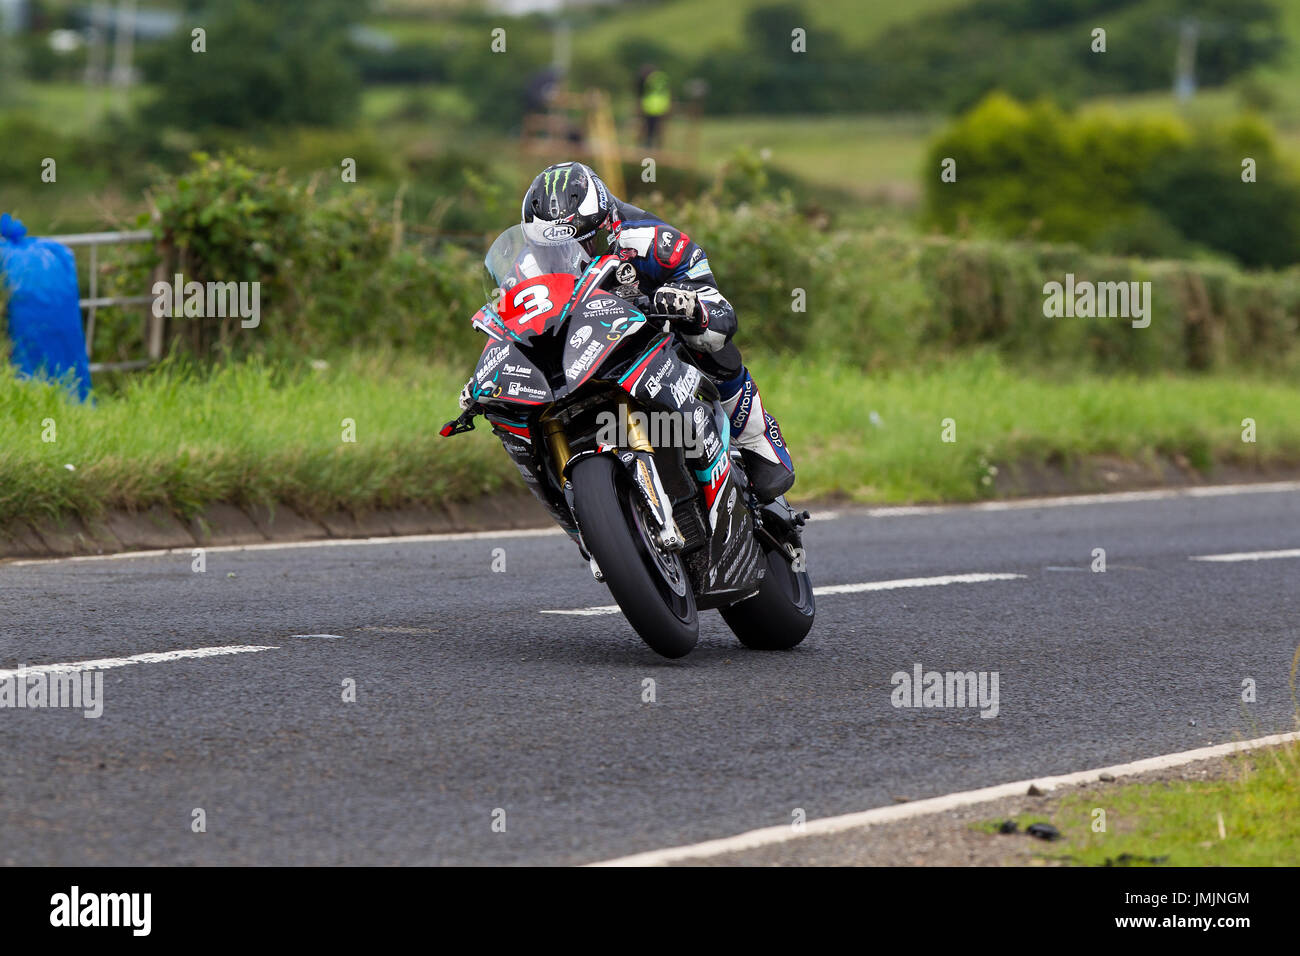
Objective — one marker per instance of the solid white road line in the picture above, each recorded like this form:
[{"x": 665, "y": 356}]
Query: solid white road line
[
  {"x": 104, "y": 663},
  {"x": 784, "y": 833},
  {"x": 1248, "y": 555},
  {"x": 939, "y": 581},
  {"x": 1067, "y": 501},
  {"x": 1114, "y": 497},
  {"x": 295, "y": 545}
]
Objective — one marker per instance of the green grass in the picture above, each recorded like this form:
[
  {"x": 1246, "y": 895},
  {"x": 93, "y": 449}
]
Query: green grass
[
  {"x": 245, "y": 434},
  {"x": 248, "y": 434},
  {"x": 1177, "y": 823},
  {"x": 869, "y": 156},
  {"x": 712, "y": 23},
  {"x": 1006, "y": 416},
  {"x": 73, "y": 108}
]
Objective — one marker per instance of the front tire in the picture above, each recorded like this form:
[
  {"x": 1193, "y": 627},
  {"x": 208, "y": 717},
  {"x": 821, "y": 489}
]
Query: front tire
[
  {"x": 650, "y": 586},
  {"x": 780, "y": 615}
]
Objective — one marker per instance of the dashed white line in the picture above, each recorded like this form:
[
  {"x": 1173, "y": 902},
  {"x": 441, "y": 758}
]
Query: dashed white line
[
  {"x": 1248, "y": 555},
  {"x": 590, "y": 611},
  {"x": 890, "y": 585},
  {"x": 918, "y": 808},
  {"x": 160, "y": 657},
  {"x": 938, "y": 581}
]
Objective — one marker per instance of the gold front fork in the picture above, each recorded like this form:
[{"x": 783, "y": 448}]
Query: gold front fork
[
  {"x": 559, "y": 444},
  {"x": 636, "y": 436}
]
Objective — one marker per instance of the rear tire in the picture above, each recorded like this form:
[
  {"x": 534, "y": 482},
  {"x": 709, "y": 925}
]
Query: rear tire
[
  {"x": 780, "y": 615},
  {"x": 660, "y": 609}
]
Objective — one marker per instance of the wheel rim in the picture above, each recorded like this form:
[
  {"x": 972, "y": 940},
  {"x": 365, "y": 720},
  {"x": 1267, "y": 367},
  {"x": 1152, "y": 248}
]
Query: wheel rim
[{"x": 666, "y": 568}]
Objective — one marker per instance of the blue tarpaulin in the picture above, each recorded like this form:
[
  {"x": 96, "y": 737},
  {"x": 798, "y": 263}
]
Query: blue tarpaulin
[{"x": 40, "y": 277}]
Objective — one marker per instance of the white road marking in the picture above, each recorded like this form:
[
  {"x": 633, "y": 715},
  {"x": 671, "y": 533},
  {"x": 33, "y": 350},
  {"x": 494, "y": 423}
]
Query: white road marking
[
  {"x": 294, "y": 545},
  {"x": 590, "y": 611},
  {"x": 890, "y": 511},
  {"x": 104, "y": 663},
  {"x": 1067, "y": 501},
  {"x": 785, "y": 833},
  {"x": 1248, "y": 555},
  {"x": 939, "y": 581}
]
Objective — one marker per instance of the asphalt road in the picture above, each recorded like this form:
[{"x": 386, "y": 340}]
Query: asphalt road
[{"x": 469, "y": 700}]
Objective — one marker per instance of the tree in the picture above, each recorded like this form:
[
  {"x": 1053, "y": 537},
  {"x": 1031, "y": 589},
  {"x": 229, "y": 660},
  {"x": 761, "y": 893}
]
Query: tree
[{"x": 263, "y": 62}]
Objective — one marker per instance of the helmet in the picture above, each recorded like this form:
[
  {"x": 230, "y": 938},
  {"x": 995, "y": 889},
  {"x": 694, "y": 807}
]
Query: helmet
[{"x": 567, "y": 201}]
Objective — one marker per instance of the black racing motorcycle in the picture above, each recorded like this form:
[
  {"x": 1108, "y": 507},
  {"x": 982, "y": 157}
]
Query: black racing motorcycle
[{"x": 624, "y": 441}]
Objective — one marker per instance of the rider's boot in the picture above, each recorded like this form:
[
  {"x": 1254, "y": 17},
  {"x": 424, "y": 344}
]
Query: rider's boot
[{"x": 758, "y": 436}]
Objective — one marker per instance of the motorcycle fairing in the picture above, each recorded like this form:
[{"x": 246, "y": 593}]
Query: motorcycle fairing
[
  {"x": 504, "y": 374},
  {"x": 597, "y": 326},
  {"x": 538, "y": 305},
  {"x": 735, "y": 557}
]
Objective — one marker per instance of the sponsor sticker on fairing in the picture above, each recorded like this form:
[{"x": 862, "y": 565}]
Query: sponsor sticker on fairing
[
  {"x": 621, "y": 326},
  {"x": 654, "y": 382},
  {"x": 585, "y": 360},
  {"x": 527, "y": 391},
  {"x": 491, "y": 361},
  {"x": 684, "y": 387}
]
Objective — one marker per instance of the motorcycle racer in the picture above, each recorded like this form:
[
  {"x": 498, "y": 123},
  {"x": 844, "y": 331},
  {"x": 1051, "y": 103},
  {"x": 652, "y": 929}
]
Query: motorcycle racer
[{"x": 675, "y": 272}]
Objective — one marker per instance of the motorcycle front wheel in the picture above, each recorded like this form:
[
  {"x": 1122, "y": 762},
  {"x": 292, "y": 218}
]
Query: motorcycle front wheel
[{"x": 649, "y": 584}]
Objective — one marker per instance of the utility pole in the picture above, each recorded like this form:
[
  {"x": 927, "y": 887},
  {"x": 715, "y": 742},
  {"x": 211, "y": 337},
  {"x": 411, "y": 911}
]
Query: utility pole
[
  {"x": 1185, "y": 62},
  {"x": 95, "y": 56},
  {"x": 123, "y": 50}
]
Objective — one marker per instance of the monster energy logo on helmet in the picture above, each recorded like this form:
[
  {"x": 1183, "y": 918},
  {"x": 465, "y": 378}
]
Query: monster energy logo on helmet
[{"x": 551, "y": 180}]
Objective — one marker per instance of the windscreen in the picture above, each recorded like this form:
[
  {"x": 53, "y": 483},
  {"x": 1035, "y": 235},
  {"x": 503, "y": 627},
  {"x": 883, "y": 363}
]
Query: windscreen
[{"x": 525, "y": 252}]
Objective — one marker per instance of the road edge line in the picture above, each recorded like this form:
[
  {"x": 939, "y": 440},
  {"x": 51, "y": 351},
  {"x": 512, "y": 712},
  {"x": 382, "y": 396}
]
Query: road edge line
[
  {"x": 831, "y": 514},
  {"x": 862, "y": 819}
]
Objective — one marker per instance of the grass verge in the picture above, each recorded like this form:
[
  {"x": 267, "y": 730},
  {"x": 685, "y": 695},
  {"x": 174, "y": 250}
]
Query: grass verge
[
  {"x": 1248, "y": 816},
  {"x": 249, "y": 433}
]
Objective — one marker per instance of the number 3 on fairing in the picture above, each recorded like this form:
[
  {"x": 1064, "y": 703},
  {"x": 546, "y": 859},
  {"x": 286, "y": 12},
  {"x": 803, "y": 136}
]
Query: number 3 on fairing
[{"x": 539, "y": 302}]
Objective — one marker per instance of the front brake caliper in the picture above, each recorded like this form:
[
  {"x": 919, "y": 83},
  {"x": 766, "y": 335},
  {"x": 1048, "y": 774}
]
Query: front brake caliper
[{"x": 641, "y": 466}]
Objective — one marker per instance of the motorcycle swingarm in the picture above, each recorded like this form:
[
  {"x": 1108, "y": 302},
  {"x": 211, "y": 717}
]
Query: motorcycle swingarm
[{"x": 779, "y": 526}]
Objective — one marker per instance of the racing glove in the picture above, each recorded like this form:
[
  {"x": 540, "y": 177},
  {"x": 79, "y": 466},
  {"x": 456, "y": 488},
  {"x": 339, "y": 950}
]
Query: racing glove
[
  {"x": 467, "y": 395},
  {"x": 681, "y": 302}
]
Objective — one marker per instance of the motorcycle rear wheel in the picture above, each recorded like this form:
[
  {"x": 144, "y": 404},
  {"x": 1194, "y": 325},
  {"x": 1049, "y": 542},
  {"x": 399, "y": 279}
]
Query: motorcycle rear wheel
[
  {"x": 781, "y": 614},
  {"x": 650, "y": 585}
]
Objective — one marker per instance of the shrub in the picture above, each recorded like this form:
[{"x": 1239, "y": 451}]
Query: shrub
[
  {"x": 337, "y": 274},
  {"x": 1147, "y": 185}
]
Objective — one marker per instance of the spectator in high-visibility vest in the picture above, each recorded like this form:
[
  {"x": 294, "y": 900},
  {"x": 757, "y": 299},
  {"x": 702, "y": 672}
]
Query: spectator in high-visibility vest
[{"x": 656, "y": 99}]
